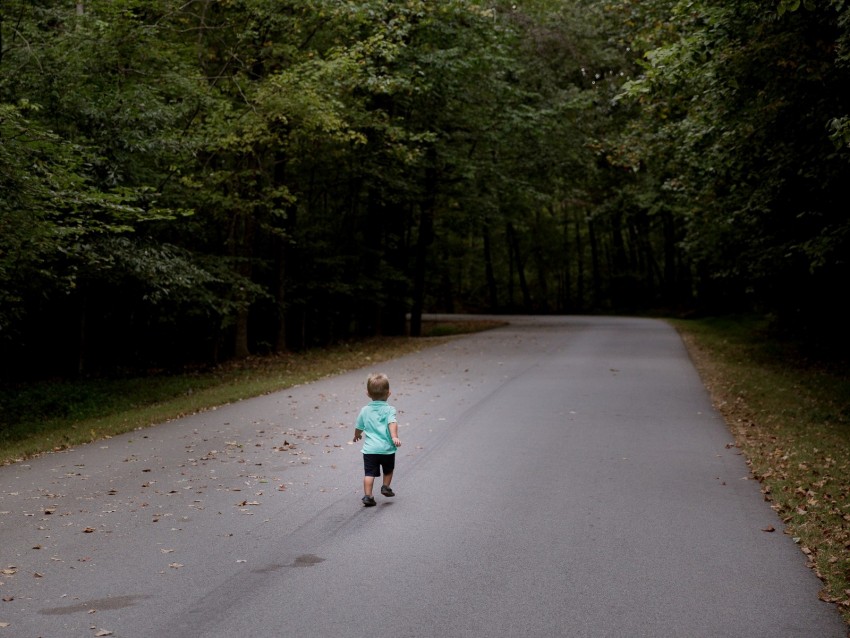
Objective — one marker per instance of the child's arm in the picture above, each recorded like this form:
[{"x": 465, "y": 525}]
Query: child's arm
[
  {"x": 394, "y": 434},
  {"x": 358, "y": 434}
]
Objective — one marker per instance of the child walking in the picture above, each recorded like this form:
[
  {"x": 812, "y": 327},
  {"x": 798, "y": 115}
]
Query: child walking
[{"x": 377, "y": 426}]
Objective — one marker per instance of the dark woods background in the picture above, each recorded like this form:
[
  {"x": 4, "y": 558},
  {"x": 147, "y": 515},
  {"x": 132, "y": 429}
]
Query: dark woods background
[{"x": 187, "y": 182}]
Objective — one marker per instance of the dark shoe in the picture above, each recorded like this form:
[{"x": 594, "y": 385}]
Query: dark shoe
[
  {"x": 368, "y": 501},
  {"x": 386, "y": 491}
]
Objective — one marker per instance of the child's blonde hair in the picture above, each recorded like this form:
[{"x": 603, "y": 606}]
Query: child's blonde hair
[{"x": 378, "y": 387}]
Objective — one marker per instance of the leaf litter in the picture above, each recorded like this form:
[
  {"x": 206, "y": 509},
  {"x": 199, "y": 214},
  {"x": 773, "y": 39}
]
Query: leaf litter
[{"x": 802, "y": 461}]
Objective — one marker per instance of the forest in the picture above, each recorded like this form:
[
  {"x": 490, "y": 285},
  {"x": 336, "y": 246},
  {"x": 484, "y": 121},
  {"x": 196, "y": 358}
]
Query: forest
[{"x": 187, "y": 182}]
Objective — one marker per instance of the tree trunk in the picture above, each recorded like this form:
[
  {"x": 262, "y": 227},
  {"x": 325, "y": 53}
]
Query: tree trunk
[
  {"x": 596, "y": 275},
  {"x": 513, "y": 241},
  {"x": 426, "y": 233},
  {"x": 653, "y": 271},
  {"x": 511, "y": 268},
  {"x": 282, "y": 256},
  {"x": 492, "y": 291},
  {"x": 579, "y": 266},
  {"x": 621, "y": 259},
  {"x": 240, "y": 338},
  {"x": 82, "y": 344},
  {"x": 280, "y": 297},
  {"x": 669, "y": 284},
  {"x": 243, "y": 237},
  {"x": 566, "y": 300},
  {"x": 542, "y": 269},
  {"x": 425, "y": 239}
]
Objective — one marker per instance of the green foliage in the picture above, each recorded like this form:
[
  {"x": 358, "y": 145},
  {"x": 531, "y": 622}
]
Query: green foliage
[
  {"x": 745, "y": 104},
  {"x": 49, "y": 207},
  {"x": 257, "y": 175}
]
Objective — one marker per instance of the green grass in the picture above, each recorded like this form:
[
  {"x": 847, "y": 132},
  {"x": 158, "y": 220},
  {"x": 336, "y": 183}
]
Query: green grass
[
  {"x": 42, "y": 417},
  {"x": 790, "y": 416},
  {"x": 49, "y": 416}
]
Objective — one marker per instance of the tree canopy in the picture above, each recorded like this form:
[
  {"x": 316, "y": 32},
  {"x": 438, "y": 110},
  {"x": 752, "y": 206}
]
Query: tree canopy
[{"x": 185, "y": 182}]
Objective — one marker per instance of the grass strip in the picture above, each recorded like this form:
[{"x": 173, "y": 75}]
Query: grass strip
[
  {"x": 52, "y": 416},
  {"x": 790, "y": 416}
]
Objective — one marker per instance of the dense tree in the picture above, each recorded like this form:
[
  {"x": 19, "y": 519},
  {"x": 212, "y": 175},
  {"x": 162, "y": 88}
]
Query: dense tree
[
  {"x": 196, "y": 180},
  {"x": 742, "y": 121}
]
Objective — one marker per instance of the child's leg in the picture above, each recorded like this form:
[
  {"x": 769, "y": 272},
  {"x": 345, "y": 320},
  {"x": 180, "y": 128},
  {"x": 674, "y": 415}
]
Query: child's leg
[
  {"x": 371, "y": 469},
  {"x": 368, "y": 483},
  {"x": 388, "y": 466}
]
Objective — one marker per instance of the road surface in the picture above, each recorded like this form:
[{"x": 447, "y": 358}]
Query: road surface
[{"x": 560, "y": 476}]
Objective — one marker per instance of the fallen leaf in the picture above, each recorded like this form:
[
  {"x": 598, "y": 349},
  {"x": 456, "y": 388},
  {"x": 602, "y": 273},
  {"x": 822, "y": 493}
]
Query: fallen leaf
[
  {"x": 166, "y": 551},
  {"x": 8, "y": 599},
  {"x": 175, "y": 565},
  {"x": 3, "y": 625},
  {"x": 88, "y": 530},
  {"x": 769, "y": 528},
  {"x": 104, "y": 632}
]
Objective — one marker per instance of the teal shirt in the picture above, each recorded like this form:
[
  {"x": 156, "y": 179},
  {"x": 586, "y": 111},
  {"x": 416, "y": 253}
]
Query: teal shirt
[{"x": 374, "y": 419}]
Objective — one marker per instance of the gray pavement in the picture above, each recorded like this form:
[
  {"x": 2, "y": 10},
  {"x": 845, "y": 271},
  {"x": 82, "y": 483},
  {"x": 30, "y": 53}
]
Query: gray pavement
[{"x": 561, "y": 476}]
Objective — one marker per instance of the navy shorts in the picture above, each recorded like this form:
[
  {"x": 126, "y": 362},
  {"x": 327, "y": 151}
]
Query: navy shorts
[{"x": 374, "y": 463}]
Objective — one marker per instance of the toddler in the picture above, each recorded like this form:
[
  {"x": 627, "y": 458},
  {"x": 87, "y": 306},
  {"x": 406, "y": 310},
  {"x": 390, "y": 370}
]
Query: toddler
[{"x": 377, "y": 426}]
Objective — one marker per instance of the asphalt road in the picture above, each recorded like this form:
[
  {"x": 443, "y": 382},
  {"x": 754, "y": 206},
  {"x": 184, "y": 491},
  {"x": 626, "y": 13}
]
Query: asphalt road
[{"x": 558, "y": 477}]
